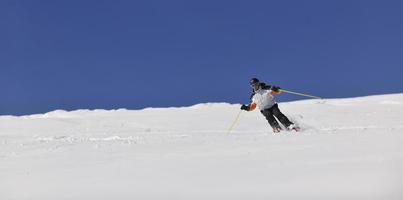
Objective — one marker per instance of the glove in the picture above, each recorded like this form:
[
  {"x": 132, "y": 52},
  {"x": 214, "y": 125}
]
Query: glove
[
  {"x": 275, "y": 88},
  {"x": 245, "y": 107}
]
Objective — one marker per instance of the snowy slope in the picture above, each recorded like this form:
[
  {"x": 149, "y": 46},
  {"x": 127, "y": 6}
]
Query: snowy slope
[{"x": 348, "y": 149}]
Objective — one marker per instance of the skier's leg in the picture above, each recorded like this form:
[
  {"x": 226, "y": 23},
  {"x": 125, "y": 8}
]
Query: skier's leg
[
  {"x": 280, "y": 116},
  {"x": 270, "y": 118}
]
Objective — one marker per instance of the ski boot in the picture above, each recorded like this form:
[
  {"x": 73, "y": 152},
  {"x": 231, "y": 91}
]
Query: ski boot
[
  {"x": 292, "y": 127},
  {"x": 276, "y": 130}
]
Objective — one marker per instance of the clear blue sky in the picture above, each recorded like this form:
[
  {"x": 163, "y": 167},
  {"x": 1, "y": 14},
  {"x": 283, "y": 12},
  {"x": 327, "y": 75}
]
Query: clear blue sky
[{"x": 86, "y": 54}]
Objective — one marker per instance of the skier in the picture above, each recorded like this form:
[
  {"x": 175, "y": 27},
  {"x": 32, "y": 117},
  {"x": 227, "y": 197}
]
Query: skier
[{"x": 262, "y": 97}]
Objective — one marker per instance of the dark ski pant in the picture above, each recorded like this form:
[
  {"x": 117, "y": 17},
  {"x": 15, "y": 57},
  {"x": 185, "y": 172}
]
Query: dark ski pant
[{"x": 269, "y": 113}]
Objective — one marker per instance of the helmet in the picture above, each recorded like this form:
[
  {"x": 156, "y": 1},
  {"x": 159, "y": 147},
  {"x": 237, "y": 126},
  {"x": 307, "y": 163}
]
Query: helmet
[{"x": 254, "y": 81}]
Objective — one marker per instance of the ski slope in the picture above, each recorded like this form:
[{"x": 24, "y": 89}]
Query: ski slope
[{"x": 347, "y": 149}]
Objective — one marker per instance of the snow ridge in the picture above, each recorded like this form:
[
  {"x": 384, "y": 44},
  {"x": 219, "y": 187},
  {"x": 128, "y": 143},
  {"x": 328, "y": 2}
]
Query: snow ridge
[{"x": 347, "y": 149}]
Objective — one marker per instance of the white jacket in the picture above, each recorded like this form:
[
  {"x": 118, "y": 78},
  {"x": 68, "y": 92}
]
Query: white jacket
[{"x": 263, "y": 99}]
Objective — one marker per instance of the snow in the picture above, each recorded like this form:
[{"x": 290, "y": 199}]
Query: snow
[{"x": 347, "y": 149}]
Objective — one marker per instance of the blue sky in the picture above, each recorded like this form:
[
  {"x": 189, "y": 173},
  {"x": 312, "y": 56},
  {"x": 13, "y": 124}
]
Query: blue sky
[{"x": 135, "y": 54}]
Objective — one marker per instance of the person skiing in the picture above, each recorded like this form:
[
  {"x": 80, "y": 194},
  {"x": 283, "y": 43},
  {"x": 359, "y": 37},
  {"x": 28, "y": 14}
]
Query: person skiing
[{"x": 262, "y": 97}]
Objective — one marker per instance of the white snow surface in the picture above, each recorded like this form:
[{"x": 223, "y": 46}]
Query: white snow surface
[{"x": 347, "y": 149}]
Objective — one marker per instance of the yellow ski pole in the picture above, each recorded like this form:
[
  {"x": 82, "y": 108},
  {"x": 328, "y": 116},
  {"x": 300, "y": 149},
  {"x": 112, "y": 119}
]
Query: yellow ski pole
[
  {"x": 301, "y": 94},
  {"x": 235, "y": 121}
]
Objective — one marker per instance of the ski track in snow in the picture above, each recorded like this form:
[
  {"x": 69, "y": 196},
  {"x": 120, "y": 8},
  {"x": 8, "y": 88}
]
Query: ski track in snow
[{"x": 346, "y": 149}]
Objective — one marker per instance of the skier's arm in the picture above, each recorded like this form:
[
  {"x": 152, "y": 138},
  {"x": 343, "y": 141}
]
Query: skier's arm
[
  {"x": 252, "y": 106},
  {"x": 271, "y": 92},
  {"x": 274, "y": 90},
  {"x": 249, "y": 107}
]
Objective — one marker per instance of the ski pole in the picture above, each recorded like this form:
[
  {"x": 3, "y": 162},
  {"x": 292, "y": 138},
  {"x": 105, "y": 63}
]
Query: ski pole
[
  {"x": 301, "y": 94},
  {"x": 235, "y": 121}
]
